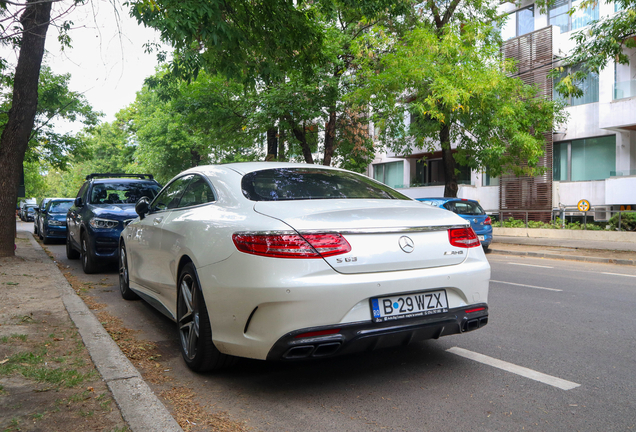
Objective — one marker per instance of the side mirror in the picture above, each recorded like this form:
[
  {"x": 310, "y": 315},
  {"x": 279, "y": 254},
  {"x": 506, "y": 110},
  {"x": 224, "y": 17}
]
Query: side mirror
[
  {"x": 78, "y": 202},
  {"x": 142, "y": 207}
]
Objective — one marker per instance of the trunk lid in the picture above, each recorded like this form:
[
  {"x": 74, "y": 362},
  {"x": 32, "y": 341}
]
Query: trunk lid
[{"x": 385, "y": 235}]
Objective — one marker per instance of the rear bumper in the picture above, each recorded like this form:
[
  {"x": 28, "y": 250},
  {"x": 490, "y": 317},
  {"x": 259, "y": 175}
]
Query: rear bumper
[{"x": 369, "y": 336}]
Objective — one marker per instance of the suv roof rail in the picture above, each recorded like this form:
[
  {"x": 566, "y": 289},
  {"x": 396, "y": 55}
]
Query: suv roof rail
[{"x": 108, "y": 175}]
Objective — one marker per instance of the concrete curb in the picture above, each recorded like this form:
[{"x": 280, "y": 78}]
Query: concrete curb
[
  {"x": 565, "y": 257},
  {"x": 139, "y": 406}
]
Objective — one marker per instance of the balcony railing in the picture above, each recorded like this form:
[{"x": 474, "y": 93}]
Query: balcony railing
[
  {"x": 624, "y": 89},
  {"x": 623, "y": 173}
]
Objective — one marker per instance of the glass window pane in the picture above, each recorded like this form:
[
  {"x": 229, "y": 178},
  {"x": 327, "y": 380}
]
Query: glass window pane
[
  {"x": 378, "y": 172},
  {"x": 526, "y": 20},
  {"x": 590, "y": 90},
  {"x": 593, "y": 158},
  {"x": 394, "y": 174},
  {"x": 509, "y": 29},
  {"x": 198, "y": 192},
  {"x": 560, "y": 162},
  {"x": 560, "y": 21},
  {"x": 581, "y": 18}
]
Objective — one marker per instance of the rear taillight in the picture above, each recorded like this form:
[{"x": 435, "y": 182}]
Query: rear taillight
[
  {"x": 292, "y": 245},
  {"x": 463, "y": 237},
  {"x": 488, "y": 221}
]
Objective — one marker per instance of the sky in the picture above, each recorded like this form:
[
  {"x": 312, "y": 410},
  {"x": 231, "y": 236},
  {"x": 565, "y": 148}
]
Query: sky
[{"x": 107, "y": 62}]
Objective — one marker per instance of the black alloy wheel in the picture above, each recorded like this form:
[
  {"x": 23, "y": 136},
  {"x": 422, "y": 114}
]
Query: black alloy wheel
[
  {"x": 195, "y": 333},
  {"x": 71, "y": 253},
  {"x": 124, "y": 278}
]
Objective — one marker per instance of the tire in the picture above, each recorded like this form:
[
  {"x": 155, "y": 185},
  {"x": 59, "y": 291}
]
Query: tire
[
  {"x": 71, "y": 253},
  {"x": 124, "y": 277},
  {"x": 35, "y": 228},
  {"x": 44, "y": 238},
  {"x": 193, "y": 325},
  {"x": 88, "y": 262}
]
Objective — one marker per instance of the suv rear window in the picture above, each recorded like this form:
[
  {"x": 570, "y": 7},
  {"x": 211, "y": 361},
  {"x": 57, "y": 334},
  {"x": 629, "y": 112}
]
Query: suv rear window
[
  {"x": 286, "y": 184},
  {"x": 122, "y": 192}
]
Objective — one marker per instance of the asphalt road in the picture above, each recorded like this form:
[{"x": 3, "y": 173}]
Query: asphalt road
[{"x": 559, "y": 354}]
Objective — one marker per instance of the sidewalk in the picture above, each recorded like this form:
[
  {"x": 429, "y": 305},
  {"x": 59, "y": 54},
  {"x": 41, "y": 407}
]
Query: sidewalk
[
  {"x": 578, "y": 250},
  {"x": 44, "y": 366}
]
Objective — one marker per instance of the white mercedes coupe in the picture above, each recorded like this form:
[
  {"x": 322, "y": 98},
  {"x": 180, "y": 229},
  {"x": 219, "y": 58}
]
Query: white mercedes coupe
[{"x": 286, "y": 262}]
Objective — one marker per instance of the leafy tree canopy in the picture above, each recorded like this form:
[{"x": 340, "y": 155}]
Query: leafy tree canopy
[{"x": 56, "y": 103}]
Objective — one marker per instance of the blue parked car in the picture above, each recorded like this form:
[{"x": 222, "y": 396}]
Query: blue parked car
[
  {"x": 52, "y": 219},
  {"x": 104, "y": 205},
  {"x": 469, "y": 210}
]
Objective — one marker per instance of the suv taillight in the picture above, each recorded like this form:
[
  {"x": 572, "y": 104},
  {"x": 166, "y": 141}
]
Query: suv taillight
[
  {"x": 463, "y": 237},
  {"x": 292, "y": 245},
  {"x": 488, "y": 221}
]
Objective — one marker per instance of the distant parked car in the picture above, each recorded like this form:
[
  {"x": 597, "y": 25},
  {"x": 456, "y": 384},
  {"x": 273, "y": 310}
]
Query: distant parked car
[
  {"x": 29, "y": 212},
  {"x": 23, "y": 205},
  {"x": 104, "y": 205},
  {"x": 53, "y": 219},
  {"x": 469, "y": 210},
  {"x": 290, "y": 262},
  {"x": 38, "y": 210}
]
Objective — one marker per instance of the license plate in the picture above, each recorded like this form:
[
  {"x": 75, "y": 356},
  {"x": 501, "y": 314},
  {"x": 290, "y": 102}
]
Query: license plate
[
  {"x": 481, "y": 238},
  {"x": 409, "y": 305}
]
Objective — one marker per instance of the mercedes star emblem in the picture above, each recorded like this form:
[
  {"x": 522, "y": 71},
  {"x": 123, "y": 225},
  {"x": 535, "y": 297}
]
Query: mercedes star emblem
[{"x": 406, "y": 244}]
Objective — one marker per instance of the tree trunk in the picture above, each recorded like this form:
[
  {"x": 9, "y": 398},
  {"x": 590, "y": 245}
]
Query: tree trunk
[
  {"x": 15, "y": 136},
  {"x": 302, "y": 138},
  {"x": 272, "y": 144},
  {"x": 330, "y": 138},
  {"x": 450, "y": 178}
]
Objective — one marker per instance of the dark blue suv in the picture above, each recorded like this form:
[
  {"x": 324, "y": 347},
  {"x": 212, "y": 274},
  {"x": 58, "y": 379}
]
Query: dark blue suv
[{"x": 104, "y": 205}]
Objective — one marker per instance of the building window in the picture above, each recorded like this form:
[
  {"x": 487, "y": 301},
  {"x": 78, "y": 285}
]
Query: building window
[
  {"x": 518, "y": 23},
  {"x": 391, "y": 173},
  {"x": 488, "y": 180},
  {"x": 558, "y": 15},
  {"x": 431, "y": 173},
  {"x": 589, "y": 86},
  {"x": 584, "y": 160}
]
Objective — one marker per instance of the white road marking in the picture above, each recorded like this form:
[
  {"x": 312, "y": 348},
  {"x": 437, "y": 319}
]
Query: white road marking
[
  {"x": 515, "y": 369},
  {"x": 618, "y": 274},
  {"x": 529, "y": 265},
  {"x": 528, "y": 286}
]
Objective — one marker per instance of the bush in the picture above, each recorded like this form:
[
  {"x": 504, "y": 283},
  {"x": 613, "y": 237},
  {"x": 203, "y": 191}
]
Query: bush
[{"x": 628, "y": 221}]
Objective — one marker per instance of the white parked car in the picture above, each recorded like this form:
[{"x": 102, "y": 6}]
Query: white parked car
[{"x": 283, "y": 261}]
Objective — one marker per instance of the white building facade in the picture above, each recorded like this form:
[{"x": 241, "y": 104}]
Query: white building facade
[{"x": 592, "y": 157}]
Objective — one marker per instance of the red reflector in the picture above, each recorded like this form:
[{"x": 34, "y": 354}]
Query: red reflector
[
  {"x": 292, "y": 245},
  {"x": 488, "y": 221},
  {"x": 318, "y": 333},
  {"x": 463, "y": 237},
  {"x": 475, "y": 310}
]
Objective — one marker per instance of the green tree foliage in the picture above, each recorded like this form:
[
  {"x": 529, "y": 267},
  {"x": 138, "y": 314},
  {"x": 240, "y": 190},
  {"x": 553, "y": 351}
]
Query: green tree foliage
[{"x": 447, "y": 82}]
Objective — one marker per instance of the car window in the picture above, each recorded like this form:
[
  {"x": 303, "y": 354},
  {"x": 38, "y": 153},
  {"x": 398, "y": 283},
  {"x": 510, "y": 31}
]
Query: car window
[
  {"x": 283, "y": 184},
  {"x": 198, "y": 192},
  {"x": 59, "y": 206},
  {"x": 122, "y": 192},
  {"x": 170, "y": 196},
  {"x": 469, "y": 208},
  {"x": 82, "y": 190}
]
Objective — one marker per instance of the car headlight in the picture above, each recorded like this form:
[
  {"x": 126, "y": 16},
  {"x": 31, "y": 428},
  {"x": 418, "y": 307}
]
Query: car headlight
[
  {"x": 57, "y": 223},
  {"x": 103, "y": 223}
]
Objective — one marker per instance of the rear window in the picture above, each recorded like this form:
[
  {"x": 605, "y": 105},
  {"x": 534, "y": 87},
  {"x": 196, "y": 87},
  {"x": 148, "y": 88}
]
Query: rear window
[
  {"x": 287, "y": 184},
  {"x": 122, "y": 192},
  {"x": 469, "y": 208}
]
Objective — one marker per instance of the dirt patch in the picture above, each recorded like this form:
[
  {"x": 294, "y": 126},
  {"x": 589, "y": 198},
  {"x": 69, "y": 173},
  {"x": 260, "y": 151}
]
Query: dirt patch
[
  {"x": 145, "y": 356},
  {"x": 47, "y": 379}
]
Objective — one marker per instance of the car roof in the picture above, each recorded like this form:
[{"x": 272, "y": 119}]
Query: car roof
[
  {"x": 248, "y": 167},
  {"x": 121, "y": 180}
]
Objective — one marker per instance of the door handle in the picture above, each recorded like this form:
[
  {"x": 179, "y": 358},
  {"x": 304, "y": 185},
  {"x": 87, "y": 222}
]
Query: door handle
[{"x": 157, "y": 220}]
